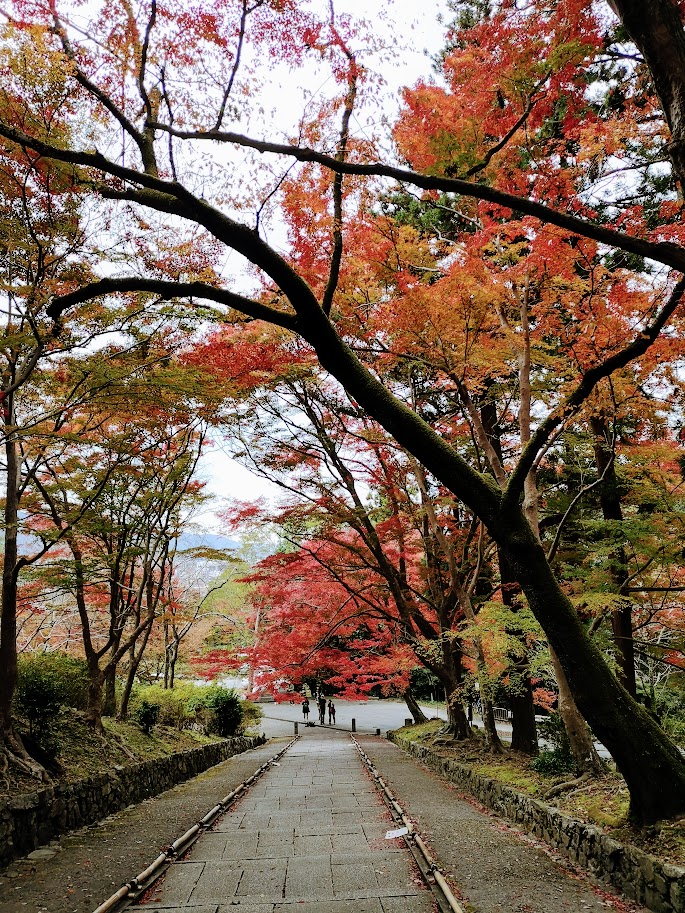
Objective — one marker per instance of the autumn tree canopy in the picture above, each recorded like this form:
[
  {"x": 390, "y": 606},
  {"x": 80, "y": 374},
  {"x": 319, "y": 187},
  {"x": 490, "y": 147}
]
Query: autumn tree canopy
[{"x": 545, "y": 157}]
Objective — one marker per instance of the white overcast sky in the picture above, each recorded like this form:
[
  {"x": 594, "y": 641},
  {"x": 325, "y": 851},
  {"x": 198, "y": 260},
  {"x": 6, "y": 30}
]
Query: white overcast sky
[{"x": 414, "y": 29}]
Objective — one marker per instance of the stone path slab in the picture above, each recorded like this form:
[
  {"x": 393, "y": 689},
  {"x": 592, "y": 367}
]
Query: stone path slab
[{"x": 309, "y": 836}]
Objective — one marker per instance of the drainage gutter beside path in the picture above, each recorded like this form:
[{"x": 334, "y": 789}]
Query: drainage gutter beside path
[{"x": 493, "y": 867}]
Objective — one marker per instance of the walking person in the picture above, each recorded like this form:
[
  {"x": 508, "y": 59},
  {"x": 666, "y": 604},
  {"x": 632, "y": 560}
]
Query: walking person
[
  {"x": 331, "y": 713},
  {"x": 305, "y": 709},
  {"x": 322, "y": 710}
]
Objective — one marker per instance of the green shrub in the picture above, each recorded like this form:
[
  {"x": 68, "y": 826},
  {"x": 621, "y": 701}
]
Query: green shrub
[
  {"x": 553, "y": 763},
  {"x": 46, "y": 682},
  {"x": 557, "y": 759},
  {"x": 146, "y": 715},
  {"x": 38, "y": 698},
  {"x": 69, "y": 675},
  {"x": 172, "y": 703},
  {"x": 225, "y": 710},
  {"x": 72, "y": 672},
  {"x": 211, "y": 709},
  {"x": 669, "y": 710}
]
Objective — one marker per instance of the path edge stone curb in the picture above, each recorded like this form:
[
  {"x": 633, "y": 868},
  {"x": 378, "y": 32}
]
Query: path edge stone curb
[
  {"x": 33, "y": 819},
  {"x": 636, "y": 874}
]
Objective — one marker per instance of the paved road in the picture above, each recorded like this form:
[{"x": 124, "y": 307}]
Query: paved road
[
  {"x": 293, "y": 829},
  {"x": 369, "y": 716},
  {"x": 309, "y": 837},
  {"x": 492, "y": 866}
]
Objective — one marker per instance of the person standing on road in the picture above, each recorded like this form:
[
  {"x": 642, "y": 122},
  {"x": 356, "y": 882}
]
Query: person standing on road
[
  {"x": 322, "y": 710},
  {"x": 331, "y": 713},
  {"x": 305, "y": 709}
]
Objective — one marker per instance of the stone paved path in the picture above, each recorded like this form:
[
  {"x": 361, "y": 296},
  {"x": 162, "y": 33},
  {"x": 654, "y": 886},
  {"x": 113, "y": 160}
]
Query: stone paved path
[
  {"x": 494, "y": 867},
  {"x": 90, "y": 864},
  {"x": 308, "y": 837}
]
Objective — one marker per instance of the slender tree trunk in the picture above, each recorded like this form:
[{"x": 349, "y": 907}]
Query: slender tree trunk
[
  {"x": 10, "y": 741},
  {"x": 96, "y": 677},
  {"x": 523, "y": 730},
  {"x": 128, "y": 684},
  {"x": 622, "y": 630},
  {"x": 134, "y": 663},
  {"x": 416, "y": 712},
  {"x": 580, "y": 739},
  {"x": 172, "y": 663},
  {"x": 109, "y": 699},
  {"x": 490, "y": 726},
  {"x": 167, "y": 648},
  {"x": 491, "y": 735},
  {"x": 524, "y": 736},
  {"x": 457, "y": 720},
  {"x": 8, "y": 619},
  {"x": 622, "y": 615}
]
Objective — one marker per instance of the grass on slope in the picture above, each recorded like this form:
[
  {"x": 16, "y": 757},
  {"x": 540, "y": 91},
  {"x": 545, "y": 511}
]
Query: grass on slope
[{"x": 82, "y": 752}]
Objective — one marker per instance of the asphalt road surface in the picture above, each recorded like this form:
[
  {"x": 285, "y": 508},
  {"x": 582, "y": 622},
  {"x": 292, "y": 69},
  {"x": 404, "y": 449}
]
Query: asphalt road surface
[{"x": 369, "y": 715}]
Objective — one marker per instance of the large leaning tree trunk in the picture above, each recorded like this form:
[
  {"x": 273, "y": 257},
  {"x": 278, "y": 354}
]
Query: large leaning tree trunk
[
  {"x": 646, "y": 760},
  {"x": 652, "y": 766}
]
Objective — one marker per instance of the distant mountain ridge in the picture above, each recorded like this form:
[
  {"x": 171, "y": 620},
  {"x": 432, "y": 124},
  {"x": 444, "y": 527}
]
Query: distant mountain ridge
[{"x": 187, "y": 541}]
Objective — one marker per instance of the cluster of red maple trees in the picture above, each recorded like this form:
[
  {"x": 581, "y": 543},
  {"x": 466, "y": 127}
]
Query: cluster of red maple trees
[{"x": 462, "y": 363}]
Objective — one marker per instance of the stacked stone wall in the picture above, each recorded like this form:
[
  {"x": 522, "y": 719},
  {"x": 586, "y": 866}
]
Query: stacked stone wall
[
  {"x": 30, "y": 820},
  {"x": 636, "y": 874}
]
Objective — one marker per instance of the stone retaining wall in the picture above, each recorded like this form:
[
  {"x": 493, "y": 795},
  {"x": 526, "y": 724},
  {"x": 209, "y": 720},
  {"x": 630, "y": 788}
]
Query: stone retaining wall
[
  {"x": 636, "y": 874},
  {"x": 30, "y": 820}
]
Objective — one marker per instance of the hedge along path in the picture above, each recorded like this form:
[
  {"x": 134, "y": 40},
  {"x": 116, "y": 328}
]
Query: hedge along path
[{"x": 88, "y": 865}]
